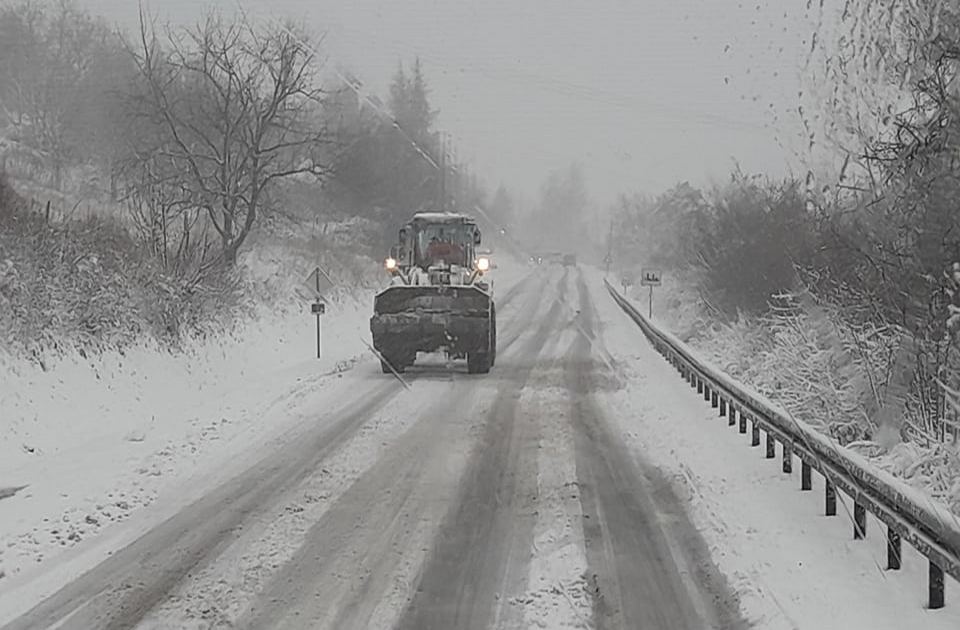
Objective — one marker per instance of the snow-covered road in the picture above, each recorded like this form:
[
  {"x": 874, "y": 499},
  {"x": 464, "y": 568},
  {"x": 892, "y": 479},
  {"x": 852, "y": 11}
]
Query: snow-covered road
[
  {"x": 449, "y": 505},
  {"x": 580, "y": 484}
]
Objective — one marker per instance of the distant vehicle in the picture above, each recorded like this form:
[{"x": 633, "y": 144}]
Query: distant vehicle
[
  {"x": 439, "y": 298},
  {"x": 556, "y": 258},
  {"x": 570, "y": 260}
]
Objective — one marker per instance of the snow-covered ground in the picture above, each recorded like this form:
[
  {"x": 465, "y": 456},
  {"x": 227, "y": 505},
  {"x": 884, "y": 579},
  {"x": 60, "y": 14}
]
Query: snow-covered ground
[
  {"x": 103, "y": 470},
  {"x": 91, "y": 442},
  {"x": 791, "y": 566}
]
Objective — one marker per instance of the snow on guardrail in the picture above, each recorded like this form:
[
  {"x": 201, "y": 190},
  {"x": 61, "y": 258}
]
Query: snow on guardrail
[{"x": 933, "y": 530}]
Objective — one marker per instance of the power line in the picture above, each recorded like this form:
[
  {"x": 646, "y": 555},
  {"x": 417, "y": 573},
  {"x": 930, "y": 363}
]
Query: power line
[{"x": 606, "y": 97}]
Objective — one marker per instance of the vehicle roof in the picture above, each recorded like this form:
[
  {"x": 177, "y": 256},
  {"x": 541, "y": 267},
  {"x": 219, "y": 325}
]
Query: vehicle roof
[{"x": 441, "y": 217}]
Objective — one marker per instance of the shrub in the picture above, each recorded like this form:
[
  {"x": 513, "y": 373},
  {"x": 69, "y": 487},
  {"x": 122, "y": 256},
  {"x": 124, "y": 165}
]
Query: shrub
[{"x": 89, "y": 285}]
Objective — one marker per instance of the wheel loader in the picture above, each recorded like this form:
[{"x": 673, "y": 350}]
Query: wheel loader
[{"x": 440, "y": 297}]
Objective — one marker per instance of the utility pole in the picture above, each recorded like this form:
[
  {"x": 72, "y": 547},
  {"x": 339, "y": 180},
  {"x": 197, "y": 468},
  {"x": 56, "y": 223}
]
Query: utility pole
[
  {"x": 455, "y": 170},
  {"x": 609, "y": 258},
  {"x": 443, "y": 171}
]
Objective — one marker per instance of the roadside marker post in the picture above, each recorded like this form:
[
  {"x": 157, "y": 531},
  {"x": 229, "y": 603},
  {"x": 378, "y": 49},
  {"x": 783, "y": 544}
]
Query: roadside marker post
[
  {"x": 318, "y": 308},
  {"x": 650, "y": 278},
  {"x": 626, "y": 279},
  {"x": 319, "y": 281}
]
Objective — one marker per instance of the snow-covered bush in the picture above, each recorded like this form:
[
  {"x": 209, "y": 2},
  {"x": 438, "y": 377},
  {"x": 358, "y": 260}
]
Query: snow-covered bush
[
  {"x": 825, "y": 371},
  {"x": 88, "y": 285}
]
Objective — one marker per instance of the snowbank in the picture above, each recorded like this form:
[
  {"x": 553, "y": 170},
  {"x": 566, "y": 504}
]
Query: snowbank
[
  {"x": 811, "y": 367},
  {"x": 88, "y": 442},
  {"x": 790, "y": 566}
]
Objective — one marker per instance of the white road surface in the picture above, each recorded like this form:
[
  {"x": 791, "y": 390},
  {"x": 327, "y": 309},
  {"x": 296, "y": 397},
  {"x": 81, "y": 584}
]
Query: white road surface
[{"x": 519, "y": 499}]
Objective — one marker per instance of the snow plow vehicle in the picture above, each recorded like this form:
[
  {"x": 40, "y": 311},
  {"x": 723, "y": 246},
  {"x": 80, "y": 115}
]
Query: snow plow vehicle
[{"x": 439, "y": 298}]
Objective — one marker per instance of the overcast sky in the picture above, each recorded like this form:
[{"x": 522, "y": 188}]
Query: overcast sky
[{"x": 643, "y": 93}]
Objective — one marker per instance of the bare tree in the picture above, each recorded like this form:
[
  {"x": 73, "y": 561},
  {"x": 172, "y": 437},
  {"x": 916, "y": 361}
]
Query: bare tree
[
  {"x": 57, "y": 70},
  {"x": 163, "y": 214},
  {"x": 237, "y": 109},
  {"x": 887, "y": 73}
]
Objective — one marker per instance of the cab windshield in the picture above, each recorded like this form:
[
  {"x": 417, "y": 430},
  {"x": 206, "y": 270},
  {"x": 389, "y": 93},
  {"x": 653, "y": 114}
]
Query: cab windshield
[{"x": 443, "y": 243}]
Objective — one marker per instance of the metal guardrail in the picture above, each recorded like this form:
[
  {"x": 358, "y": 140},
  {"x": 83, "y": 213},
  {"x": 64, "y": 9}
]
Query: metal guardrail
[{"x": 909, "y": 515}]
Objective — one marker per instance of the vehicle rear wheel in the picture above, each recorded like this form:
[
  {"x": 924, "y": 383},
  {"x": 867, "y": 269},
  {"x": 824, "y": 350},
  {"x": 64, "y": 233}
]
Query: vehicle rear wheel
[
  {"x": 478, "y": 362},
  {"x": 386, "y": 363},
  {"x": 493, "y": 338}
]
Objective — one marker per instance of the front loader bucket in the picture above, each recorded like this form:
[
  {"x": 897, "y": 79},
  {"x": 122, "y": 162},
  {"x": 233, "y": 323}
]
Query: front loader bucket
[
  {"x": 411, "y": 319},
  {"x": 444, "y": 299}
]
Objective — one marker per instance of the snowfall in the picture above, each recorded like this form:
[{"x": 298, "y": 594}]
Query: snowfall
[{"x": 93, "y": 452}]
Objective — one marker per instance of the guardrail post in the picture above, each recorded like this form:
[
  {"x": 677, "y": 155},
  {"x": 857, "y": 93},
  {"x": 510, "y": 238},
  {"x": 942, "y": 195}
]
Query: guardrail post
[
  {"x": 893, "y": 549},
  {"x": 699, "y": 385},
  {"x": 732, "y": 417},
  {"x": 859, "y": 520},
  {"x": 714, "y": 399},
  {"x": 806, "y": 478},
  {"x": 755, "y": 433},
  {"x": 830, "y": 498},
  {"x": 771, "y": 446},
  {"x": 936, "y": 586},
  {"x": 706, "y": 391},
  {"x": 787, "y": 458},
  {"x": 723, "y": 407}
]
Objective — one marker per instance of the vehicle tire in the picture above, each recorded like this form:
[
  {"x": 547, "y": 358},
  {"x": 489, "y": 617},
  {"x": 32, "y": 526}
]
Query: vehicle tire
[
  {"x": 478, "y": 362},
  {"x": 493, "y": 337},
  {"x": 386, "y": 363}
]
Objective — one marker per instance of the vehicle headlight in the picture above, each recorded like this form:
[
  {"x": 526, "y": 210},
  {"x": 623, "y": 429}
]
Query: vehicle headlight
[
  {"x": 483, "y": 264},
  {"x": 390, "y": 264}
]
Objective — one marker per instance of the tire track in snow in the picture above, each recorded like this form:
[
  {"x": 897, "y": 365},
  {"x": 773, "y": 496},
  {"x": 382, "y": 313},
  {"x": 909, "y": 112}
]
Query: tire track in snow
[
  {"x": 358, "y": 561},
  {"x": 648, "y": 566},
  {"x": 556, "y": 596},
  {"x": 122, "y": 589},
  {"x": 479, "y": 555}
]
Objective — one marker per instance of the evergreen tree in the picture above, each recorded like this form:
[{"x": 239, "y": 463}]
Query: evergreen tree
[{"x": 399, "y": 91}]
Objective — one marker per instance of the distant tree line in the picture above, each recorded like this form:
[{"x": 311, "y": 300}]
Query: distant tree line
[
  {"x": 878, "y": 239},
  {"x": 205, "y": 133},
  {"x": 194, "y": 141}
]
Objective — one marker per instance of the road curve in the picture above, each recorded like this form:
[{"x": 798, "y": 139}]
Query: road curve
[{"x": 480, "y": 489}]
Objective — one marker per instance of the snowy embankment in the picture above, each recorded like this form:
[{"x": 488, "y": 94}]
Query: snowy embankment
[
  {"x": 823, "y": 373},
  {"x": 89, "y": 442},
  {"x": 791, "y": 566}
]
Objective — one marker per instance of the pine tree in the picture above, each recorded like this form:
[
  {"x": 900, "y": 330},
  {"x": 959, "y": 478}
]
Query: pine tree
[
  {"x": 399, "y": 95},
  {"x": 420, "y": 116}
]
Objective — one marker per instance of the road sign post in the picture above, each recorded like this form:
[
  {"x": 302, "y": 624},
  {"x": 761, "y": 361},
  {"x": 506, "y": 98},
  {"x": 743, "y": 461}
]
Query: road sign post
[
  {"x": 319, "y": 281},
  {"x": 650, "y": 278},
  {"x": 318, "y": 308}
]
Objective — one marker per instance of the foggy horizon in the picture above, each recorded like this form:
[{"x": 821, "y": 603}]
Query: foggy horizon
[
  {"x": 604, "y": 315},
  {"x": 642, "y": 95}
]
